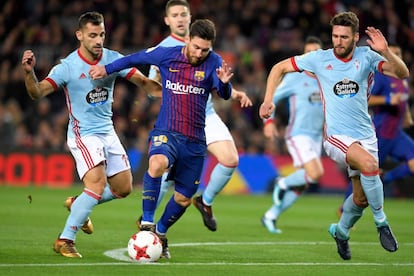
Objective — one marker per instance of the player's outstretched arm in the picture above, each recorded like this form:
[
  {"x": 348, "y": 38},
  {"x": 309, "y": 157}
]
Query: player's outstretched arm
[
  {"x": 394, "y": 65},
  {"x": 35, "y": 89},
  {"x": 242, "y": 97},
  {"x": 151, "y": 87},
  {"x": 273, "y": 80}
]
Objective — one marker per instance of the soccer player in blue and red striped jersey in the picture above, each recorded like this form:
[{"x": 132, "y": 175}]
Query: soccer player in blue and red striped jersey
[
  {"x": 189, "y": 74},
  {"x": 345, "y": 74}
]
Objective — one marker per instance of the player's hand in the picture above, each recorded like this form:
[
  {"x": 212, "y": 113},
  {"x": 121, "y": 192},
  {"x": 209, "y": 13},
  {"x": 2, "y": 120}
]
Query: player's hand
[
  {"x": 242, "y": 97},
  {"x": 28, "y": 61},
  {"x": 224, "y": 72},
  {"x": 266, "y": 109},
  {"x": 97, "y": 72},
  {"x": 376, "y": 40},
  {"x": 270, "y": 130}
]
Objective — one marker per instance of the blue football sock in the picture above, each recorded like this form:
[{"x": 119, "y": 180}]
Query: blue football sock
[
  {"x": 219, "y": 177},
  {"x": 172, "y": 212},
  {"x": 165, "y": 185},
  {"x": 399, "y": 172},
  {"x": 79, "y": 212},
  {"x": 350, "y": 215},
  {"x": 107, "y": 195},
  {"x": 374, "y": 191},
  {"x": 150, "y": 191}
]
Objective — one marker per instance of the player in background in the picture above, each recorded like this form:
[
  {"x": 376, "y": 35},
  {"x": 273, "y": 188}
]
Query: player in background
[
  {"x": 391, "y": 115},
  {"x": 345, "y": 73},
  {"x": 101, "y": 160},
  {"x": 219, "y": 140},
  {"x": 189, "y": 74},
  {"x": 303, "y": 138}
]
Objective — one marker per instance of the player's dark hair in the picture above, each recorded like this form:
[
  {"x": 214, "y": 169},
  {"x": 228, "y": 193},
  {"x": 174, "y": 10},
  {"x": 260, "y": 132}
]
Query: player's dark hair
[
  {"x": 348, "y": 19},
  {"x": 173, "y": 3},
  {"x": 204, "y": 29},
  {"x": 90, "y": 17},
  {"x": 313, "y": 40}
]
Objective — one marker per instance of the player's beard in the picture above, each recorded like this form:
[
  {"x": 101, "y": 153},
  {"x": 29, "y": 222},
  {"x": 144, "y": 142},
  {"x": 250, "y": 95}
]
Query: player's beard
[
  {"x": 95, "y": 52},
  {"x": 346, "y": 52}
]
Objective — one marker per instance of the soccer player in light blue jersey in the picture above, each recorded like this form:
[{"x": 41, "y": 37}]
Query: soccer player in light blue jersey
[
  {"x": 219, "y": 140},
  {"x": 391, "y": 115},
  {"x": 303, "y": 138},
  {"x": 99, "y": 155},
  {"x": 189, "y": 74},
  {"x": 345, "y": 74}
]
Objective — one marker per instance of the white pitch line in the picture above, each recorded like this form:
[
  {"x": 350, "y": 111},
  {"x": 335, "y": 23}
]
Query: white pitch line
[{"x": 121, "y": 255}]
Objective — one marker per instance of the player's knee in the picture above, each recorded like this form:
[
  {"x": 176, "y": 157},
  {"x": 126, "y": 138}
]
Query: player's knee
[
  {"x": 182, "y": 200},
  {"x": 370, "y": 166},
  {"x": 157, "y": 165},
  {"x": 124, "y": 192},
  {"x": 411, "y": 165},
  {"x": 360, "y": 200},
  {"x": 315, "y": 175},
  {"x": 230, "y": 161}
]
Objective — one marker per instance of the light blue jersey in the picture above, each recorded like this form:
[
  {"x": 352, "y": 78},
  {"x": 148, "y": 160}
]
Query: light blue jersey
[
  {"x": 345, "y": 87},
  {"x": 172, "y": 41},
  {"x": 305, "y": 106},
  {"x": 89, "y": 101}
]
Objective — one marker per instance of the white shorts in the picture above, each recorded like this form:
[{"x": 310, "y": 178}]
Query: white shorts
[
  {"x": 216, "y": 130},
  {"x": 303, "y": 149},
  {"x": 336, "y": 147},
  {"x": 89, "y": 151}
]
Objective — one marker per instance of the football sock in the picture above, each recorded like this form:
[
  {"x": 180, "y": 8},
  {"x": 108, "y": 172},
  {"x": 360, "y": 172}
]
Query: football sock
[
  {"x": 165, "y": 185},
  {"x": 374, "y": 192},
  {"x": 350, "y": 215},
  {"x": 296, "y": 179},
  {"x": 79, "y": 212},
  {"x": 172, "y": 212},
  {"x": 219, "y": 177},
  {"x": 150, "y": 191},
  {"x": 399, "y": 172},
  {"x": 107, "y": 195},
  {"x": 288, "y": 200}
]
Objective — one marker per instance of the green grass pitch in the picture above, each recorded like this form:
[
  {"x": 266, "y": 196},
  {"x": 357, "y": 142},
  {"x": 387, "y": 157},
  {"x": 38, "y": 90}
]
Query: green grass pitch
[{"x": 240, "y": 246}]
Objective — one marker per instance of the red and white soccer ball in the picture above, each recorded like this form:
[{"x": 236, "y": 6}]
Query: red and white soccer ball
[{"x": 144, "y": 247}]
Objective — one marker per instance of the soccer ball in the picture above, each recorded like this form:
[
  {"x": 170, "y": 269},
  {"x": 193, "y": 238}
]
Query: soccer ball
[{"x": 144, "y": 247}]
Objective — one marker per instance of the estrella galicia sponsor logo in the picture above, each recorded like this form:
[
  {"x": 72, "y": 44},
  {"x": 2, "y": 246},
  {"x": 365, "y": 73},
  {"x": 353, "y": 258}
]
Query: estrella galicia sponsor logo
[
  {"x": 97, "y": 96},
  {"x": 346, "y": 88},
  {"x": 315, "y": 98},
  {"x": 178, "y": 88}
]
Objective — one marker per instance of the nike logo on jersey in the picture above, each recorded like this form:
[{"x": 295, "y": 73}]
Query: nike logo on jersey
[{"x": 172, "y": 70}]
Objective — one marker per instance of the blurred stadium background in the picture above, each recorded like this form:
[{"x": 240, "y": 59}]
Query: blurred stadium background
[{"x": 252, "y": 36}]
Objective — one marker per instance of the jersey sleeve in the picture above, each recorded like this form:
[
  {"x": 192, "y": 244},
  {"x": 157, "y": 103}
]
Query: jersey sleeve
[
  {"x": 58, "y": 75},
  {"x": 306, "y": 61},
  {"x": 149, "y": 56}
]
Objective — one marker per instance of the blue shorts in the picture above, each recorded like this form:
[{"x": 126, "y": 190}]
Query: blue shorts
[
  {"x": 185, "y": 158},
  {"x": 400, "y": 148}
]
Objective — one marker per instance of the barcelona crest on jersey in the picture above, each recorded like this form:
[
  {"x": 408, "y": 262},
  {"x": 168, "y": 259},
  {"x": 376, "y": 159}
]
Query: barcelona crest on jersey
[{"x": 199, "y": 75}]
